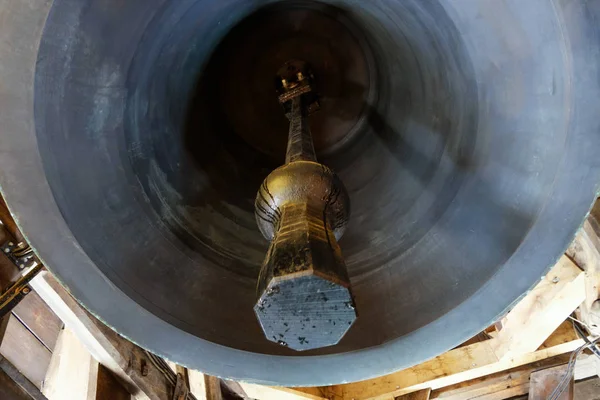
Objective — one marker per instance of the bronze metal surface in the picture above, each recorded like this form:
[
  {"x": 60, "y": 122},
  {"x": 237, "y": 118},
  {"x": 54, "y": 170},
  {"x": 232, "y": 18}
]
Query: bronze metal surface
[{"x": 136, "y": 133}]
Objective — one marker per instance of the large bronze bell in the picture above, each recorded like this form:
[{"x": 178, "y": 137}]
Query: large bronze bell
[{"x": 135, "y": 136}]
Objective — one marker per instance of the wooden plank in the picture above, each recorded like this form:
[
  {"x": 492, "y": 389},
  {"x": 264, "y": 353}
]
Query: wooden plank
[
  {"x": 26, "y": 386},
  {"x": 505, "y": 387},
  {"x": 539, "y": 313},
  {"x": 39, "y": 319},
  {"x": 183, "y": 387},
  {"x": 418, "y": 395},
  {"x": 458, "y": 365},
  {"x": 492, "y": 384},
  {"x": 254, "y": 391},
  {"x": 543, "y": 383},
  {"x": 8, "y": 222},
  {"x": 4, "y": 235},
  {"x": 513, "y": 382},
  {"x": 128, "y": 362},
  {"x": 25, "y": 351},
  {"x": 585, "y": 251},
  {"x": 586, "y": 366},
  {"x": 108, "y": 387},
  {"x": 8, "y": 272},
  {"x": 9, "y": 390},
  {"x": 563, "y": 334},
  {"x": 3, "y": 326},
  {"x": 587, "y": 390},
  {"x": 72, "y": 372},
  {"x": 204, "y": 387},
  {"x": 507, "y": 393},
  {"x": 316, "y": 391}
]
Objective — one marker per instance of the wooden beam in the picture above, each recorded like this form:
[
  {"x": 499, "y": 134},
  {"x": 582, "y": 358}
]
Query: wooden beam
[
  {"x": 204, "y": 387},
  {"x": 418, "y": 395},
  {"x": 25, "y": 351},
  {"x": 128, "y": 362},
  {"x": 72, "y": 373},
  {"x": 260, "y": 392},
  {"x": 39, "y": 319},
  {"x": 10, "y": 390},
  {"x": 585, "y": 251},
  {"x": 452, "y": 367},
  {"x": 500, "y": 386},
  {"x": 513, "y": 382},
  {"x": 108, "y": 387},
  {"x": 3, "y": 326},
  {"x": 9, "y": 223},
  {"x": 543, "y": 383},
  {"x": 9, "y": 232},
  {"x": 525, "y": 328},
  {"x": 539, "y": 313}
]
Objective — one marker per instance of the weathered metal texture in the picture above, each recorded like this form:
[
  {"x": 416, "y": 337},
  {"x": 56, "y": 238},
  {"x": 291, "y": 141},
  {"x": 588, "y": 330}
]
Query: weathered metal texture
[
  {"x": 304, "y": 299},
  {"x": 300, "y": 144},
  {"x": 304, "y": 295},
  {"x": 15, "y": 293},
  {"x": 471, "y": 161},
  {"x": 304, "y": 205},
  {"x": 295, "y": 79}
]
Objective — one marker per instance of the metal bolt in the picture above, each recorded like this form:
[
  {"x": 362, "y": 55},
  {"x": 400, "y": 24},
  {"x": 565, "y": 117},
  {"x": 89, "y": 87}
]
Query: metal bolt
[
  {"x": 144, "y": 367},
  {"x": 26, "y": 290},
  {"x": 555, "y": 279},
  {"x": 11, "y": 244},
  {"x": 7, "y": 250}
]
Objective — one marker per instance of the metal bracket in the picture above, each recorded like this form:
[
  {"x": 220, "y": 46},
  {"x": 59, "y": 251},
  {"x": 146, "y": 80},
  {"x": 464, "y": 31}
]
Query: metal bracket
[
  {"x": 15, "y": 293},
  {"x": 21, "y": 254},
  {"x": 181, "y": 390}
]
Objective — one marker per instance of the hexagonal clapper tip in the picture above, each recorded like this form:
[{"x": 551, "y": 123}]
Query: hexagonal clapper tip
[{"x": 305, "y": 312}]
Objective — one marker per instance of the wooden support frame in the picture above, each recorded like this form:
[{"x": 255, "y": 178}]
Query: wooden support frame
[
  {"x": 458, "y": 365},
  {"x": 72, "y": 363},
  {"x": 560, "y": 290},
  {"x": 280, "y": 393},
  {"x": 125, "y": 360},
  {"x": 129, "y": 363},
  {"x": 25, "y": 385},
  {"x": 531, "y": 322},
  {"x": 204, "y": 387},
  {"x": 74, "y": 374},
  {"x": 528, "y": 336},
  {"x": 422, "y": 394},
  {"x": 539, "y": 313},
  {"x": 585, "y": 251}
]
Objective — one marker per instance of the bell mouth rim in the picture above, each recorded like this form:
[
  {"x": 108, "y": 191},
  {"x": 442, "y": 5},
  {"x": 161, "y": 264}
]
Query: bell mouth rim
[{"x": 23, "y": 183}]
